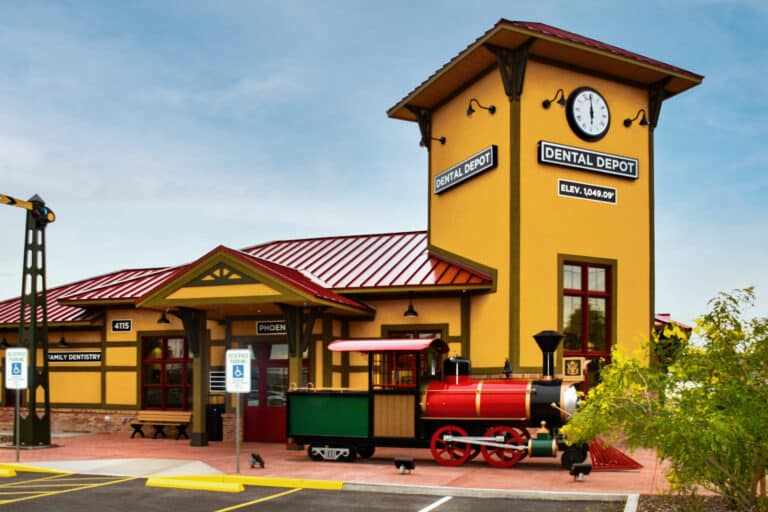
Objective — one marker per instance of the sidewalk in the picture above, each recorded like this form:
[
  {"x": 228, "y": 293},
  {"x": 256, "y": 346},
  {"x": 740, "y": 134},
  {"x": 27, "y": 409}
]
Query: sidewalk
[{"x": 118, "y": 454}]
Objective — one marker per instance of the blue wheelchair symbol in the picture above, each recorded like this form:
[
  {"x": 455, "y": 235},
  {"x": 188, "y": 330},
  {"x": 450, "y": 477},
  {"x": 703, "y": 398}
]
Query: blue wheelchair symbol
[
  {"x": 15, "y": 368},
  {"x": 238, "y": 371}
]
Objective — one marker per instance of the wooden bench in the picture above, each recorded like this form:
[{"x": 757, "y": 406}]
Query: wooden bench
[{"x": 161, "y": 419}]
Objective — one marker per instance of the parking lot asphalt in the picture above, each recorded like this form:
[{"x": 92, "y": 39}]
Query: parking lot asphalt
[
  {"x": 43, "y": 492},
  {"x": 117, "y": 455}
]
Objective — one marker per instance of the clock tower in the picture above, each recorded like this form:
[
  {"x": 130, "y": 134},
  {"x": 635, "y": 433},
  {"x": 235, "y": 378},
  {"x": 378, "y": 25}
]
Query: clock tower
[{"x": 541, "y": 173}]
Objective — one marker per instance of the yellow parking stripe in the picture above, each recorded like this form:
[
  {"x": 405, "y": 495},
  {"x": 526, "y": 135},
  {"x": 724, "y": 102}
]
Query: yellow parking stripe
[
  {"x": 74, "y": 488},
  {"x": 260, "y": 500},
  {"x": 41, "y": 479}
]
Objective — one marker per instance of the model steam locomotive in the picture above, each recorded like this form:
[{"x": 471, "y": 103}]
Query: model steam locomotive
[{"x": 415, "y": 399}]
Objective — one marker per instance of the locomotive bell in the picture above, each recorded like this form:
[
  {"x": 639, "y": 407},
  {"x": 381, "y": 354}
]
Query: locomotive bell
[{"x": 548, "y": 342}]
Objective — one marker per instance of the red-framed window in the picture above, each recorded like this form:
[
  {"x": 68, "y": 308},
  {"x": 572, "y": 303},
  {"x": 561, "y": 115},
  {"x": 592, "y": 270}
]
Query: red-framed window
[
  {"x": 166, "y": 368},
  {"x": 397, "y": 370},
  {"x": 587, "y": 308}
]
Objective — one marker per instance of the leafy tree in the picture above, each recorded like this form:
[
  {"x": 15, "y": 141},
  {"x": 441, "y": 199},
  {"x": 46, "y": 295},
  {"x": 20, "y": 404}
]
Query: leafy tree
[{"x": 707, "y": 414}]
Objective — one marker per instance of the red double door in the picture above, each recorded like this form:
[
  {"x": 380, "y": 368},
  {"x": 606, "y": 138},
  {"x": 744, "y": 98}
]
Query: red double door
[{"x": 265, "y": 413}]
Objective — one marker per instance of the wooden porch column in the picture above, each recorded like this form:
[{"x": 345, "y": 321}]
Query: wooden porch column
[{"x": 199, "y": 344}]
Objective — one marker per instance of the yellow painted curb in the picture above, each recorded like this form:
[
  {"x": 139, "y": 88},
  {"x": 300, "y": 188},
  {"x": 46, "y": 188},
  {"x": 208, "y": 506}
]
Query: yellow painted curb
[
  {"x": 32, "y": 469},
  {"x": 194, "y": 485},
  {"x": 266, "y": 481},
  {"x": 7, "y": 472}
]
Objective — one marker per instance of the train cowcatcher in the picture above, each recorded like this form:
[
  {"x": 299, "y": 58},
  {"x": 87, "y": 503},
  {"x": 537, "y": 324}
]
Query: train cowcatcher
[{"x": 417, "y": 399}]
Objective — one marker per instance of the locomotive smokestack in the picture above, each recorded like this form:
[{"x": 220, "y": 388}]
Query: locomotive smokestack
[{"x": 548, "y": 342}]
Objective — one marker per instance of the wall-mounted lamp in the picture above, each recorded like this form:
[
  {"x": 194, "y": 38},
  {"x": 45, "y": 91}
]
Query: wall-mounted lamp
[
  {"x": 441, "y": 140},
  {"x": 163, "y": 319},
  {"x": 4, "y": 343},
  {"x": 410, "y": 311},
  {"x": 63, "y": 343},
  {"x": 643, "y": 120},
  {"x": 561, "y": 101},
  {"x": 491, "y": 108}
]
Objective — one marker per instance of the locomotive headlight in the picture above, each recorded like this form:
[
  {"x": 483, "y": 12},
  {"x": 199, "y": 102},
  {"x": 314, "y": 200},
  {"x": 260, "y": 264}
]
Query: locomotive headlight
[{"x": 570, "y": 400}]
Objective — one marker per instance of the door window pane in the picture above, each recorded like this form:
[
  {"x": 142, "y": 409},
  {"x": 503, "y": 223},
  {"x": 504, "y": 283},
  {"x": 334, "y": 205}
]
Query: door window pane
[
  {"x": 277, "y": 383},
  {"x": 278, "y": 352},
  {"x": 253, "y": 396}
]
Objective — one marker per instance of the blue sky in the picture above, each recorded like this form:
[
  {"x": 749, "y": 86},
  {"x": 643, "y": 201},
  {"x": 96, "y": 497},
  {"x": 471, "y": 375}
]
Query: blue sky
[{"x": 158, "y": 130}]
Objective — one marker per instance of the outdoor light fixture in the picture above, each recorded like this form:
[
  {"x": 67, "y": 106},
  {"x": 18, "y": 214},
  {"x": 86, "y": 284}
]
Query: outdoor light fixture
[
  {"x": 643, "y": 120},
  {"x": 441, "y": 140},
  {"x": 410, "y": 311},
  {"x": 63, "y": 343},
  {"x": 561, "y": 101},
  {"x": 491, "y": 108},
  {"x": 163, "y": 319}
]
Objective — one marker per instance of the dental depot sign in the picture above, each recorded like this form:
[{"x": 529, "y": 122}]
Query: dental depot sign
[
  {"x": 586, "y": 160},
  {"x": 466, "y": 169}
]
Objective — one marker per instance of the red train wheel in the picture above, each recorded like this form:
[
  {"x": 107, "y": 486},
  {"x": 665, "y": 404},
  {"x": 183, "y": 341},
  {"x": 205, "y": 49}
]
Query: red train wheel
[
  {"x": 503, "y": 457},
  {"x": 449, "y": 453}
]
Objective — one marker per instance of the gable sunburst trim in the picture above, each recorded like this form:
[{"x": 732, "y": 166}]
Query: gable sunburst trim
[{"x": 221, "y": 274}]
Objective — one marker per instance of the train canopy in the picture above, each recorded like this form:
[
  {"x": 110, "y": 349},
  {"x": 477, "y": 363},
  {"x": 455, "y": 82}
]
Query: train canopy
[{"x": 389, "y": 345}]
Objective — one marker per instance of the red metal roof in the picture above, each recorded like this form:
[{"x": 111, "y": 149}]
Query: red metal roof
[
  {"x": 320, "y": 267},
  {"x": 9, "y": 309},
  {"x": 550, "y": 43},
  {"x": 564, "y": 35},
  {"x": 388, "y": 345},
  {"x": 369, "y": 262}
]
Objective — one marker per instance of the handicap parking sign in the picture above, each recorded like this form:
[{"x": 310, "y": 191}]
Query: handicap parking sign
[
  {"x": 238, "y": 370},
  {"x": 16, "y": 361}
]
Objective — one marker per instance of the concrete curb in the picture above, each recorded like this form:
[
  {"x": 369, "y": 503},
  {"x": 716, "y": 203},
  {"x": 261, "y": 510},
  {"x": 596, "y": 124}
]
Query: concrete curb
[
  {"x": 465, "y": 492},
  {"x": 632, "y": 502}
]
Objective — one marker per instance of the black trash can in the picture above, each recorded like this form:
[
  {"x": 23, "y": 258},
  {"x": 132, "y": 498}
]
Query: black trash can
[{"x": 213, "y": 422}]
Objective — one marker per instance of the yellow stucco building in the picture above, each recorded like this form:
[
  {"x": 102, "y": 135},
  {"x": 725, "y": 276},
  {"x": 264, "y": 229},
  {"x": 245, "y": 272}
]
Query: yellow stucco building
[{"x": 541, "y": 216}]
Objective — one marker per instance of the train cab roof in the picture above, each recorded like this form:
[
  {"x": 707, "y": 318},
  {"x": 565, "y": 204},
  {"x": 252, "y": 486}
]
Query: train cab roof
[{"x": 389, "y": 345}]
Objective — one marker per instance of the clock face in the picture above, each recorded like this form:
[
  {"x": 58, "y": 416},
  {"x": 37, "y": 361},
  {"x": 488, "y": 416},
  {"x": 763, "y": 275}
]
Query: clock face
[{"x": 588, "y": 114}]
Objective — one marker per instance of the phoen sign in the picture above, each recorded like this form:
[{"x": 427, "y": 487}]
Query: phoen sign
[
  {"x": 586, "y": 160},
  {"x": 270, "y": 327},
  {"x": 466, "y": 169}
]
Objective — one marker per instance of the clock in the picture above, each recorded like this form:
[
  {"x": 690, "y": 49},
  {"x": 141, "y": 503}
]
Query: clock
[{"x": 588, "y": 114}]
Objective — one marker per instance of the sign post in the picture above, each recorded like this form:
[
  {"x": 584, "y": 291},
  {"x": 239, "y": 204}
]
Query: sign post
[
  {"x": 238, "y": 369},
  {"x": 16, "y": 377}
]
